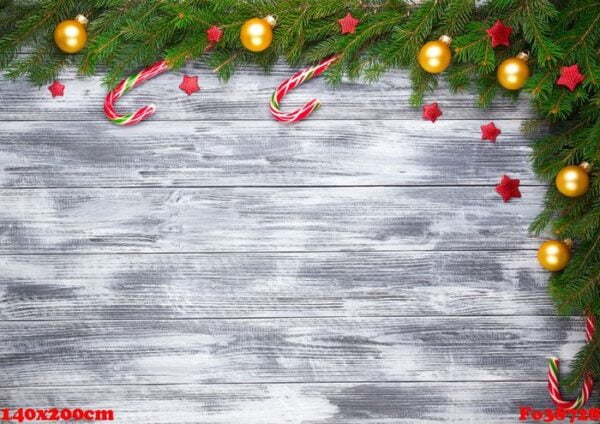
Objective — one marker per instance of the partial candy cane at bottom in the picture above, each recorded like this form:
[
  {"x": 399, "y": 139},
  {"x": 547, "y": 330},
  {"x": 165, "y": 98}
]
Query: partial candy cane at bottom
[
  {"x": 588, "y": 381},
  {"x": 293, "y": 82},
  {"x": 127, "y": 85}
]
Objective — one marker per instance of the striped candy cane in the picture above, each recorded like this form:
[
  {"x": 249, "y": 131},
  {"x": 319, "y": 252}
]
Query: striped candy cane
[
  {"x": 588, "y": 382},
  {"x": 127, "y": 85},
  {"x": 293, "y": 82}
]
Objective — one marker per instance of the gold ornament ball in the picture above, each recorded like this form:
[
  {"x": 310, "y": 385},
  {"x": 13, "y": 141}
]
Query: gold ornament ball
[
  {"x": 434, "y": 56},
  {"x": 573, "y": 181},
  {"x": 257, "y": 34},
  {"x": 553, "y": 255},
  {"x": 513, "y": 72},
  {"x": 70, "y": 36}
]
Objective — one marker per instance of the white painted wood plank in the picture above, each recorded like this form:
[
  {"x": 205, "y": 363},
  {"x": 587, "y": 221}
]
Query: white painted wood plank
[
  {"x": 244, "y": 97},
  {"x": 265, "y": 219},
  {"x": 43, "y": 154},
  {"x": 85, "y": 287},
  {"x": 322, "y": 349},
  {"x": 392, "y": 333},
  {"x": 359, "y": 403}
]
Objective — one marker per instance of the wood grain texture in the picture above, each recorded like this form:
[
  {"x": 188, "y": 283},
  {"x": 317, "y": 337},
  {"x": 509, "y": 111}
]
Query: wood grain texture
[
  {"x": 254, "y": 219},
  {"x": 85, "y": 287},
  {"x": 331, "y": 403},
  {"x": 59, "y": 154},
  {"x": 244, "y": 97},
  {"x": 213, "y": 266},
  {"x": 365, "y": 349}
]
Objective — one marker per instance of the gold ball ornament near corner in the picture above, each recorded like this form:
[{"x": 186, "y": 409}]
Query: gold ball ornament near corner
[
  {"x": 554, "y": 255},
  {"x": 70, "y": 36},
  {"x": 573, "y": 181},
  {"x": 435, "y": 56},
  {"x": 513, "y": 72},
  {"x": 257, "y": 34}
]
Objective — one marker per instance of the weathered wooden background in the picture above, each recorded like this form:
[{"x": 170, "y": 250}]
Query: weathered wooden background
[{"x": 214, "y": 266}]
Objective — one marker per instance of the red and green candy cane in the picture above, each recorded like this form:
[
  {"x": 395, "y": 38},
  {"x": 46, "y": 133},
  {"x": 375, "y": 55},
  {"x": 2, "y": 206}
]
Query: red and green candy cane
[
  {"x": 293, "y": 82},
  {"x": 127, "y": 85},
  {"x": 163, "y": 66},
  {"x": 588, "y": 381}
]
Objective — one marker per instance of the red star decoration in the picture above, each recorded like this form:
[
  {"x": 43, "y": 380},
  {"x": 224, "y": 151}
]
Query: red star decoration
[
  {"x": 500, "y": 34},
  {"x": 189, "y": 85},
  {"x": 508, "y": 188},
  {"x": 348, "y": 24},
  {"x": 214, "y": 34},
  {"x": 57, "y": 89},
  {"x": 431, "y": 112},
  {"x": 490, "y": 132},
  {"x": 570, "y": 77}
]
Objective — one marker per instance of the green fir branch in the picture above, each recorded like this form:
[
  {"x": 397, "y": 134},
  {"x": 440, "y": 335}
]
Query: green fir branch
[{"x": 125, "y": 35}]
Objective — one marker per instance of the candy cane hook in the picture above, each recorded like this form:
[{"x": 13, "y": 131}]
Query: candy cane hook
[
  {"x": 293, "y": 82},
  {"x": 127, "y": 85},
  {"x": 588, "y": 381}
]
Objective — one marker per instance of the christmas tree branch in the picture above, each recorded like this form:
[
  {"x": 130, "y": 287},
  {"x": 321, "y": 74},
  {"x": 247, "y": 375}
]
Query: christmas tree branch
[{"x": 127, "y": 34}]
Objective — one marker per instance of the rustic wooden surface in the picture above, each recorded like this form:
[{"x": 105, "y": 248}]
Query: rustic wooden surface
[{"x": 214, "y": 266}]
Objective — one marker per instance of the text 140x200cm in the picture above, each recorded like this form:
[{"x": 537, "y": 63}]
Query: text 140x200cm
[{"x": 55, "y": 414}]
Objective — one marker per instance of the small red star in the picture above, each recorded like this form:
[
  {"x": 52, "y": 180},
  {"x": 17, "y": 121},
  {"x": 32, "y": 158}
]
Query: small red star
[
  {"x": 508, "y": 188},
  {"x": 57, "y": 89},
  {"x": 500, "y": 34},
  {"x": 348, "y": 24},
  {"x": 490, "y": 132},
  {"x": 570, "y": 77},
  {"x": 214, "y": 34},
  {"x": 431, "y": 112},
  {"x": 189, "y": 85}
]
